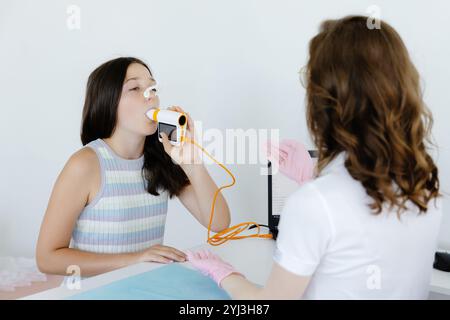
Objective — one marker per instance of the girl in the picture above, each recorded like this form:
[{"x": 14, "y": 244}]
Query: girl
[
  {"x": 109, "y": 204},
  {"x": 367, "y": 226}
]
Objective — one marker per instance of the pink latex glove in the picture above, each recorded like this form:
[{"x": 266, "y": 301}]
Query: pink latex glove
[
  {"x": 211, "y": 265},
  {"x": 294, "y": 160}
]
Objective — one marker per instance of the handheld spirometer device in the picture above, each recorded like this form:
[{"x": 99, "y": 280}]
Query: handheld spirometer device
[{"x": 172, "y": 123}]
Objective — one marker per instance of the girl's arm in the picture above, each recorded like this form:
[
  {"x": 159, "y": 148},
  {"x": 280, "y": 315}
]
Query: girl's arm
[
  {"x": 197, "y": 198},
  {"x": 69, "y": 196}
]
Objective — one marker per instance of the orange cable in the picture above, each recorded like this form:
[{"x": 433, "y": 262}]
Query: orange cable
[{"x": 230, "y": 233}]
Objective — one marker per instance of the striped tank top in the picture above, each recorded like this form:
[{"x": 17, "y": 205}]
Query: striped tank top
[{"x": 123, "y": 217}]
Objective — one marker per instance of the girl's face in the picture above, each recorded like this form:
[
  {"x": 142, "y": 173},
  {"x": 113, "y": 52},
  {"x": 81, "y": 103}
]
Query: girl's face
[{"x": 133, "y": 105}]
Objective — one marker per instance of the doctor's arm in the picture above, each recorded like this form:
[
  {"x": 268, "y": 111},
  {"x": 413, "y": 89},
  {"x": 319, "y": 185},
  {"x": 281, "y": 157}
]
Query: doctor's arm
[{"x": 281, "y": 284}]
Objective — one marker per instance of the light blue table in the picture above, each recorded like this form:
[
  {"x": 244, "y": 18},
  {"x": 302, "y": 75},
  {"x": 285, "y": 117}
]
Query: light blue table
[{"x": 171, "y": 282}]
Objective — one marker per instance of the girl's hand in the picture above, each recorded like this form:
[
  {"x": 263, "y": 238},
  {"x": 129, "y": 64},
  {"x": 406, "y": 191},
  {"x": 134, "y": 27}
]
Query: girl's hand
[
  {"x": 187, "y": 153},
  {"x": 161, "y": 254}
]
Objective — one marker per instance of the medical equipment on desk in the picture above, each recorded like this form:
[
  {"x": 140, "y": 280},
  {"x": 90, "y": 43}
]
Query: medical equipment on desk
[
  {"x": 176, "y": 122},
  {"x": 279, "y": 188},
  {"x": 442, "y": 261}
]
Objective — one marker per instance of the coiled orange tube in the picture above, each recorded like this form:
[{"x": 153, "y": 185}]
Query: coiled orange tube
[{"x": 231, "y": 233}]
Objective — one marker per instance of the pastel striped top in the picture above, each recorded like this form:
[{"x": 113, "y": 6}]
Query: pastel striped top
[{"x": 123, "y": 217}]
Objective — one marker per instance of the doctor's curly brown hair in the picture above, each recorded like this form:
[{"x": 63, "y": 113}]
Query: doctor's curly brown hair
[{"x": 364, "y": 98}]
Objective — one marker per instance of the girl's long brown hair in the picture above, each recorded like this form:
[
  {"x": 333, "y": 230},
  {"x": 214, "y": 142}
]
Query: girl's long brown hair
[
  {"x": 103, "y": 92},
  {"x": 364, "y": 98}
]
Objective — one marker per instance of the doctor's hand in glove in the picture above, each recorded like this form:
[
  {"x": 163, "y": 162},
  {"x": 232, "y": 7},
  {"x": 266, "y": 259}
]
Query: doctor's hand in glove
[
  {"x": 211, "y": 265},
  {"x": 281, "y": 283},
  {"x": 293, "y": 159}
]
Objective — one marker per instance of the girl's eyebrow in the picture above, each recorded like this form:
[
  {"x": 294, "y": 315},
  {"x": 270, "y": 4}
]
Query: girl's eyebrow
[{"x": 135, "y": 78}]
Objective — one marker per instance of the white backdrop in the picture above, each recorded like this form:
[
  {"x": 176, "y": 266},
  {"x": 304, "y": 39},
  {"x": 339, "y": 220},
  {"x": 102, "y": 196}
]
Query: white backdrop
[{"x": 231, "y": 64}]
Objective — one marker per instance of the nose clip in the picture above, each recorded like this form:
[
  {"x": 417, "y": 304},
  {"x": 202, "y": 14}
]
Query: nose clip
[{"x": 149, "y": 90}]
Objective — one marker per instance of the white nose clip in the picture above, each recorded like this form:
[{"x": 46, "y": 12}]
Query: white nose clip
[{"x": 147, "y": 91}]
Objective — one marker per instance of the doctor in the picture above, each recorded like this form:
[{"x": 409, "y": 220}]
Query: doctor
[{"x": 366, "y": 227}]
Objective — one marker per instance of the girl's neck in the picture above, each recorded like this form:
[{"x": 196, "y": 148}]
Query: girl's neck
[{"x": 126, "y": 146}]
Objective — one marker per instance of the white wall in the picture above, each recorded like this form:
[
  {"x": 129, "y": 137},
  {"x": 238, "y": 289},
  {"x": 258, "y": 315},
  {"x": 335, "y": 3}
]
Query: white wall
[{"x": 223, "y": 61}]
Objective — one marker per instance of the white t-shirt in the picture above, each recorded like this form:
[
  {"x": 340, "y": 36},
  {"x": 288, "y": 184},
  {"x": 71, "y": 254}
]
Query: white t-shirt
[{"x": 328, "y": 232}]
